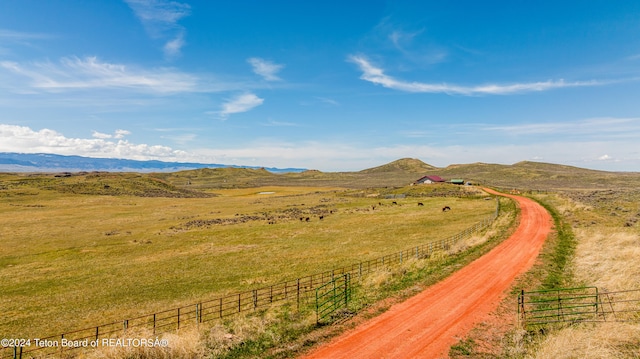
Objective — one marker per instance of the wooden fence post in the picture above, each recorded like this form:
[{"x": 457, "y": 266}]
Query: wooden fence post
[
  {"x": 298, "y": 294},
  {"x": 254, "y": 294}
]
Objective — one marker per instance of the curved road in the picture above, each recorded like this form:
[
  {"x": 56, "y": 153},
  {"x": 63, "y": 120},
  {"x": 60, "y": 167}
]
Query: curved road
[{"x": 426, "y": 325}]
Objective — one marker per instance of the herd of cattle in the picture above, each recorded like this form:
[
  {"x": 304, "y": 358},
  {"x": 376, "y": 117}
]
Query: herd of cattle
[{"x": 300, "y": 214}]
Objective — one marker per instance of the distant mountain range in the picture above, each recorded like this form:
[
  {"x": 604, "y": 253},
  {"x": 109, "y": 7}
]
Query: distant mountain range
[{"x": 45, "y": 162}]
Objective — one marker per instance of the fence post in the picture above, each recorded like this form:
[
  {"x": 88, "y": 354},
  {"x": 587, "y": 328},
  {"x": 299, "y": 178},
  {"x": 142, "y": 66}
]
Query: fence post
[
  {"x": 597, "y": 302},
  {"x": 521, "y": 313},
  {"x": 154, "y": 323},
  {"x": 125, "y": 324},
  {"x": 298, "y": 294},
  {"x": 178, "y": 318},
  {"x": 255, "y": 299}
]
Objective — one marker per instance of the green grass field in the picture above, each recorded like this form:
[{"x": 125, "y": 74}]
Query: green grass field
[{"x": 81, "y": 251}]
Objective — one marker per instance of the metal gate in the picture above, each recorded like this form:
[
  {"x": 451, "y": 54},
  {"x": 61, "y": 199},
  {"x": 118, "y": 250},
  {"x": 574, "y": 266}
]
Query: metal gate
[
  {"x": 559, "y": 306},
  {"x": 332, "y": 296}
]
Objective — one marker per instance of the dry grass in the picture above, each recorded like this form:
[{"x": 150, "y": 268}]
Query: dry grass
[
  {"x": 278, "y": 329},
  {"x": 603, "y": 341},
  {"x": 606, "y": 257},
  {"x": 75, "y": 261},
  {"x": 187, "y": 344}
]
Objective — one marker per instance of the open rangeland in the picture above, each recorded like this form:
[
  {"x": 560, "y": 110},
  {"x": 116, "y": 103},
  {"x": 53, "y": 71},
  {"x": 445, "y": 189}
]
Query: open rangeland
[
  {"x": 72, "y": 259},
  {"x": 86, "y": 249}
]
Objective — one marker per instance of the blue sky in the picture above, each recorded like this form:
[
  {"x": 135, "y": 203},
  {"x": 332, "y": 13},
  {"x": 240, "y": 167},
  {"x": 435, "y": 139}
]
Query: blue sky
[{"x": 328, "y": 85}]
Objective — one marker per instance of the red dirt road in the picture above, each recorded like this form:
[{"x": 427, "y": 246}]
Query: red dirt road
[{"x": 426, "y": 325}]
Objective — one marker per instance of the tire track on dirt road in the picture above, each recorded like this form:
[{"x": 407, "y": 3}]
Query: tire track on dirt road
[{"x": 426, "y": 325}]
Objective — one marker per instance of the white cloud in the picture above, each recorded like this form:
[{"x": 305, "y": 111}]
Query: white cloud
[
  {"x": 101, "y": 135},
  {"x": 241, "y": 103},
  {"x": 264, "y": 68},
  {"x": 121, "y": 133},
  {"x": 25, "y": 140},
  {"x": 328, "y": 101},
  {"x": 172, "y": 48},
  {"x": 598, "y": 127},
  {"x": 377, "y": 76},
  {"x": 22, "y": 36},
  {"x": 272, "y": 123},
  {"x": 74, "y": 73},
  {"x": 160, "y": 18},
  {"x": 326, "y": 155}
]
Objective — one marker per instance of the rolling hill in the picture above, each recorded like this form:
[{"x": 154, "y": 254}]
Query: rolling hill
[{"x": 524, "y": 175}]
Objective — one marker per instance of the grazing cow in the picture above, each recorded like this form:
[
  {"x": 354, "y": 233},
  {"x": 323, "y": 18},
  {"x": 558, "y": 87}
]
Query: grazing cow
[
  {"x": 321, "y": 217},
  {"x": 446, "y": 208},
  {"x": 394, "y": 202},
  {"x": 307, "y": 219},
  {"x": 420, "y": 204}
]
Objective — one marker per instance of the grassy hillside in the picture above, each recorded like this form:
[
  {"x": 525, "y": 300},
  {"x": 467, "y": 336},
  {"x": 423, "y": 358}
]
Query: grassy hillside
[
  {"x": 522, "y": 176},
  {"x": 540, "y": 176},
  {"x": 193, "y": 183},
  {"x": 95, "y": 183}
]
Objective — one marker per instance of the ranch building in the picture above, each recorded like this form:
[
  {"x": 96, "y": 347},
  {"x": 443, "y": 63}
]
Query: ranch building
[{"x": 429, "y": 180}]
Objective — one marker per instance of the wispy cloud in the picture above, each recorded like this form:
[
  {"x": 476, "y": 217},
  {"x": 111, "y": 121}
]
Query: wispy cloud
[
  {"x": 90, "y": 72},
  {"x": 117, "y": 134},
  {"x": 404, "y": 43},
  {"x": 11, "y": 35},
  {"x": 598, "y": 127},
  {"x": 240, "y": 103},
  {"x": 328, "y": 101},
  {"x": 173, "y": 47},
  {"x": 267, "y": 69},
  {"x": 272, "y": 123},
  {"x": 160, "y": 18},
  {"x": 377, "y": 76},
  {"x": 26, "y": 140}
]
